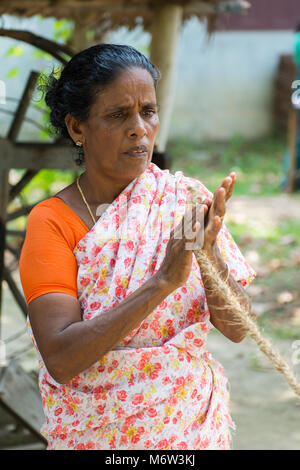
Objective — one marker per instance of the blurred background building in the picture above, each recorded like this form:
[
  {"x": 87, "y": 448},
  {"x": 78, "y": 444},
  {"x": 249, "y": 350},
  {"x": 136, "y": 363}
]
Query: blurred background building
[{"x": 236, "y": 82}]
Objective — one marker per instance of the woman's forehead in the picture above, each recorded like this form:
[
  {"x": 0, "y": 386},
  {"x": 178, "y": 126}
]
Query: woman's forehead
[
  {"x": 128, "y": 101},
  {"x": 129, "y": 87},
  {"x": 132, "y": 77}
]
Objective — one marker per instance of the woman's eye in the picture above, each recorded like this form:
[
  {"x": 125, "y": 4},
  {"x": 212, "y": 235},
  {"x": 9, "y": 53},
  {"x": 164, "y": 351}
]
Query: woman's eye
[
  {"x": 149, "y": 112},
  {"x": 116, "y": 115},
  {"x": 146, "y": 113}
]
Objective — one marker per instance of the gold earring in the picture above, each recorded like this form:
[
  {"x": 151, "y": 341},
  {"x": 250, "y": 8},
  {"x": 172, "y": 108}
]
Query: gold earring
[{"x": 78, "y": 143}]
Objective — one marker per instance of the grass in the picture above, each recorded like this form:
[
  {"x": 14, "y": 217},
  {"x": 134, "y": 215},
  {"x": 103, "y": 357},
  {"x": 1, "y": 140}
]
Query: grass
[
  {"x": 259, "y": 165},
  {"x": 269, "y": 240},
  {"x": 267, "y": 243}
]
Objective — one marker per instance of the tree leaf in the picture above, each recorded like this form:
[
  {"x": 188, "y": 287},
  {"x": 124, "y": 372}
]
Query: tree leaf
[
  {"x": 15, "y": 50},
  {"x": 12, "y": 73}
]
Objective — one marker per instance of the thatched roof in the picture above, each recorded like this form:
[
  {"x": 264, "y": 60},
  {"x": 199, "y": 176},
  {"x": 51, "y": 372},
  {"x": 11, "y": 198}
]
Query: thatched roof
[{"x": 116, "y": 12}]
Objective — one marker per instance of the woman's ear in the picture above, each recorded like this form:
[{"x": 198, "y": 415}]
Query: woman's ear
[{"x": 74, "y": 128}]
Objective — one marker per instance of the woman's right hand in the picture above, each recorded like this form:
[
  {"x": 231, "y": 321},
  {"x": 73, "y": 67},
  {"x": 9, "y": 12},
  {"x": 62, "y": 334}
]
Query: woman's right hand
[{"x": 176, "y": 266}]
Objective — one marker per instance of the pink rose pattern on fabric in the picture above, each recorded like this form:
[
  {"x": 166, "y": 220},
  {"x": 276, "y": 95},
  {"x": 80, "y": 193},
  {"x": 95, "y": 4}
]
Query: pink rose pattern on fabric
[{"x": 159, "y": 388}]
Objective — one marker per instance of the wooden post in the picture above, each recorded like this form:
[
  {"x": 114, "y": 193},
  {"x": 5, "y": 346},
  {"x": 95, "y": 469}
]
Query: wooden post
[
  {"x": 4, "y": 175},
  {"x": 165, "y": 31},
  {"x": 79, "y": 40},
  {"x": 17, "y": 188},
  {"x": 79, "y": 37},
  {"x": 22, "y": 107}
]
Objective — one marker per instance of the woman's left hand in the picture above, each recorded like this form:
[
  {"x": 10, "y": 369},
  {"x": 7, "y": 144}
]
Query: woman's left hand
[{"x": 216, "y": 212}]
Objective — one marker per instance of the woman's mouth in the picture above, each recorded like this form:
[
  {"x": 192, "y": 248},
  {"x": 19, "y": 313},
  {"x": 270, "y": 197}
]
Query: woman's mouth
[{"x": 137, "y": 151}]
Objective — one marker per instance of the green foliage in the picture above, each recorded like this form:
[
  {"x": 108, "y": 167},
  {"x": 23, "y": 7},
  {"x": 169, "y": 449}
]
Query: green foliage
[
  {"x": 63, "y": 29},
  {"x": 39, "y": 54},
  {"x": 12, "y": 73},
  {"x": 15, "y": 51},
  {"x": 44, "y": 185},
  {"x": 282, "y": 331},
  {"x": 145, "y": 49},
  {"x": 259, "y": 165},
  {"x": 268, "y": 233},
  {"x": 46, "y": 182}
]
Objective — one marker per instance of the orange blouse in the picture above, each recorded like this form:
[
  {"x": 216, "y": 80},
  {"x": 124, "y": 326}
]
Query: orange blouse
[{"x": 47, "y": 263}]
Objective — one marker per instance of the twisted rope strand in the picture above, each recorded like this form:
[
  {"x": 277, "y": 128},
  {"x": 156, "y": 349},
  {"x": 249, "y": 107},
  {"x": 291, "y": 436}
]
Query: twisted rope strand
[{"x": 243, "y": 317}]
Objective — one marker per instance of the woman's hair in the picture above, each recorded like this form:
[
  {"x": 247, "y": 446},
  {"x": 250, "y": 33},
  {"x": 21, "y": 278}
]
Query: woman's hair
[{"x": 83, "y": 77}]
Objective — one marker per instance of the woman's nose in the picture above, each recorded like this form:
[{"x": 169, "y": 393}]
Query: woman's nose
[{"x": 137, "y": 127}]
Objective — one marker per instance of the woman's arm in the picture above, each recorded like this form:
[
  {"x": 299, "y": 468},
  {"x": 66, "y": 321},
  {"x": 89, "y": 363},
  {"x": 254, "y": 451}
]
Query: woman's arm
[
  {"x": 221, "y": 317},
  {"x": 69, "y": 345}
]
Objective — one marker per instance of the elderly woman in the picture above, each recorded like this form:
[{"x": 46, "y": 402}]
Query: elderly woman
[{"x": 119, "y": 309}]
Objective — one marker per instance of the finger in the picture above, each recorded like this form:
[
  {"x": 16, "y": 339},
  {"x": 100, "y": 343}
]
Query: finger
[
  {"x": 196, "y": 229},
  {"x": 218, "y": 222},
  {"x": 208, "y": 202},
  {"x": 186, "y": 226},
  {"x": 194, "y": 221},
  {"x": 184, "y": 222},
  {"x": 221, "y": 195},
  {"x": 221, "y": 203},
  {"x": 218, "y": 206},
  {"x": 229, "y": 183},
  {"x": 233, "y": 181},
  {"x": 211, "y": 232}
]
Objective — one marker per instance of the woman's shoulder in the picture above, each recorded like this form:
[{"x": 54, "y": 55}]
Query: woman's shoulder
[
  {"x": 50, "y": 209},
  {"x": 46, "y": 204},
  {"x": 54, "y": 215}
]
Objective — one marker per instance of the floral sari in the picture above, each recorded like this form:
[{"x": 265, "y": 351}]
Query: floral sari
[{"x": 159, "y": 388}]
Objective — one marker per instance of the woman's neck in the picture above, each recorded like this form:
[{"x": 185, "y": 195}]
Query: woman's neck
[{"x": 98, "y": 191}]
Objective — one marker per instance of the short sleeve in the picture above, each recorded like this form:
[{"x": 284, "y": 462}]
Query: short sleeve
[
  {"x": 239, "y": 267},
  {"x": 47, "y": 263}
]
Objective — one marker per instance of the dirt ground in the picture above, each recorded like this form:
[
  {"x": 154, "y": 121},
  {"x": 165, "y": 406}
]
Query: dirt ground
[
  {"x": 264, "y": 408},
  {"x": 270, "y": 208}
]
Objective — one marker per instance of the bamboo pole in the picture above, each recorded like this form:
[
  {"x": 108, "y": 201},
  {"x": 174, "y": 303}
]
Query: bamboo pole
[{"x": 165, "y": 33}]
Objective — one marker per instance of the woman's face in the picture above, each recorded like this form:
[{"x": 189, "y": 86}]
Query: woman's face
[{"x": 119, "y": 135}]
